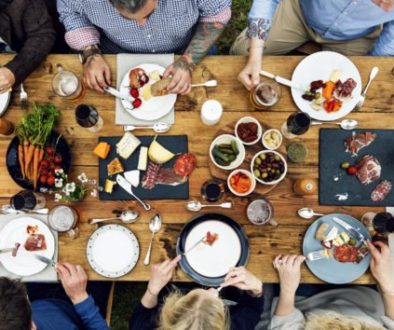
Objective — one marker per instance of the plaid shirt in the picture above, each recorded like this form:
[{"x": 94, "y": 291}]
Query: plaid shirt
[{"x": 168, "y": 29}]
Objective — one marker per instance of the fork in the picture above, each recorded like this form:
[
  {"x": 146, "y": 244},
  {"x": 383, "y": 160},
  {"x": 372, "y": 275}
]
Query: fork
[
  {"x": 23, "y": 98},
  {"x": 372, "y": 76},
  {"x": 317, "y": 255},
  {"x": 194, "y": 245}
]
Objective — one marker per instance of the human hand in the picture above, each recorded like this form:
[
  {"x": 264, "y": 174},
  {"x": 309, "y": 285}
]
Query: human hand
[
  {"x": 96, "y": 73},
  {"x": 181, "y": 73},
  {"x": 74, "y": 281},
  {"x": 243, "y": 279},
  {"x": 381, "y": 266},
  {"x": 7, "y": 79},
  {"x": 289, "y": 271},
  {"x": 250, "y": 75},
  {"x": 161, "y": 274}
]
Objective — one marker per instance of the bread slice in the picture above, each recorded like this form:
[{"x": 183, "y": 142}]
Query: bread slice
[{"x": 159, "y": 88}]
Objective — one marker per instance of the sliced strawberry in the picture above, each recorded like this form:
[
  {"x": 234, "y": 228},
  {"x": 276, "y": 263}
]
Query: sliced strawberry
[
  {"x": 134, "y": 92},
  {"x": 137, "y": 103}
]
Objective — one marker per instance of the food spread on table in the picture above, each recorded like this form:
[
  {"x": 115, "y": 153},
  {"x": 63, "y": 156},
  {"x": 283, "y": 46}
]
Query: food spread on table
[
  {"x": 35, "y": 240},
  {"x": 247, "y": 132},
  {"x": 268, "y": 166},
  {"x": 240, "y": 182}
]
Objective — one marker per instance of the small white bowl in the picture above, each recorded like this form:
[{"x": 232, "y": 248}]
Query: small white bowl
[
  {"x": 227, "y": 138},
  {"x": 249, "y": 120},
  {"x": 266, "y": 152},
  {"x": 249, "y": 175},
  {"x": 268, "y": 131}
]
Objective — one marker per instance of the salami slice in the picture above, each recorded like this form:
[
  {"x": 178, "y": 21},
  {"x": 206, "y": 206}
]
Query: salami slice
[
  {"x": 381, "y": 191},
  {"x": 185, "y": 164}
]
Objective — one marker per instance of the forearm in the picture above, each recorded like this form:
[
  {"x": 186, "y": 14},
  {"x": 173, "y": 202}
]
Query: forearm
[
  {"x": 256, "y": 50},
  {"x": 90, "y": 315},
  {"x": 149, "y": 299},
  {"x": 387, "y": 294},
  {"x": 285, "y": 304}
]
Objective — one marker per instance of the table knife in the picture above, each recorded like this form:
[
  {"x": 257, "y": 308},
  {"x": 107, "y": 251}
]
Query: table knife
[
  {"x": 354, "y": 232},
  {"x": 126, "y": 185},
  {"x": 281, "y": 80},
  {"x": 116, "y": 93},
  {"x": 45, "y": 260}
]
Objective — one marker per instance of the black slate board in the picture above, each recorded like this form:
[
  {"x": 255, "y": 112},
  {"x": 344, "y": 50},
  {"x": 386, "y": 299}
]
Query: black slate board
[
  {"x": 176, "y": 144},
  {"x": 332, "y": 154}
]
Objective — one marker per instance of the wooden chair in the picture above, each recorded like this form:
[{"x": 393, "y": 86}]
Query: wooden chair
[{"x": 110, "y": 303}]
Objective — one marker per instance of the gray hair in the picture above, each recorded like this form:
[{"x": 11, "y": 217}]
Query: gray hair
[{"x": 131, "y": 5}]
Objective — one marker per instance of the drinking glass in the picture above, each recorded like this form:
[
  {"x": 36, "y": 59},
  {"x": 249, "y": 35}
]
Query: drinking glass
[
  {"x": 28, "y": 200},
  {"x": 88, "y": 117},
  {"x": 298, "y": 123},
  {"x": 261, "y": 212},
  {"x": 64, "y": 219},
  {"x": 265, "y": 95},
  {"x": 212, "y": 190},
  {"x": 66, "y": 84}
]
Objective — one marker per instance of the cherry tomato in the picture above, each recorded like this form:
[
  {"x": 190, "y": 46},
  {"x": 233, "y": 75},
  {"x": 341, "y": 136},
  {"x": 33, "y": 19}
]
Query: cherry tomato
[
  {"x": 43, "y": 179},
  {"x": 51, "y": 181},
  {"x": 58, "y": 159},
  {"x": 50, "y": 150},
  {"x": 352, "y": 170},
  {"x": 137, "y": 103},
  {"x": 44, "y": 164}
]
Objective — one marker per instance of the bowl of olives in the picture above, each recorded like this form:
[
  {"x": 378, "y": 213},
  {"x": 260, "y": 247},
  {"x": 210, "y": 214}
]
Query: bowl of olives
[{"x": 268, "y": 167}]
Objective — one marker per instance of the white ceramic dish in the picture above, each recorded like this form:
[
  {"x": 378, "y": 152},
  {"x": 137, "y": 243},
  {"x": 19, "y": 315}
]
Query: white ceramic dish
[
  {"x": 268, "y": 131},
  {"x": 248, "y": 174},
  {"x": 227, "y": 138},
  {"x": 156, "y": 107},
  {"x": 24, "y": 264},
  {"x": 319, "y": 66},
  {"x": 4, "y": 101},
  {"x": 275, "y": 181},
  {"x": 113, "y": 251},
  {"x": 248, "y": 119}
]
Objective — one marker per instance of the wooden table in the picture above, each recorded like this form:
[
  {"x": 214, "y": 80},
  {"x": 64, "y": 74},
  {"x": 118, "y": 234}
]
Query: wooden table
[{"x": 265, "y": 242}]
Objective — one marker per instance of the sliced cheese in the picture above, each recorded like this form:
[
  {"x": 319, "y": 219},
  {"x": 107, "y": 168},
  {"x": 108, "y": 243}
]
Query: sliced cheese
[
  {"x": 147, "y": 92},
  {"x": 127, "y": 145},
  {"x": 158, "y": 154},
  {"x": 335, "y": 76},
  {"x": 143, "y": 159},
  {"x": 154, "y": 75},
  {"x": 109, "y": 186},
  {"x": 102, "y": 150}
]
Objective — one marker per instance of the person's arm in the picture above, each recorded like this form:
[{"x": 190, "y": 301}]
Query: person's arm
[
  {"x": 259, "y": 24},
  {"x": 214, "y": 17},
  {"x": 384, "y": 46},
  {"x": 40, "y": 38},
  {"x": 74, "y": 281}
]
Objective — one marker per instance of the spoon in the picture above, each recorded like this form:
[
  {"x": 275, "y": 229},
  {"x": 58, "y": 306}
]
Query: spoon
[
  {"x": 372, "y": 76},
  {"x": 157, "y": 127},
  {"x": 308, "y": 213},
  {"x": 346, "y": 124},
  {"x": 154, "y": 226},
  {"x": 196, "y": 206},
  {"x": 209, "y": 83},
  {"x": 126, "y": 217}
]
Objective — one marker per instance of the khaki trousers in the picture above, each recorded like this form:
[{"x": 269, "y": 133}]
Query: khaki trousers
[{"x": 289, "y": 31}]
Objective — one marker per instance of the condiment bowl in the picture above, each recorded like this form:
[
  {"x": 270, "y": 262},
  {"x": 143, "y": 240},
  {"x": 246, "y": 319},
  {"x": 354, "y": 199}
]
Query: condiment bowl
[
  {"x": 266, "y": 133},
  {"x": 248, "y": 119},
  {"x": 249, "y": 175},
  {"x": 260, "y": 179},
  {"x": 225, "y": 139}
]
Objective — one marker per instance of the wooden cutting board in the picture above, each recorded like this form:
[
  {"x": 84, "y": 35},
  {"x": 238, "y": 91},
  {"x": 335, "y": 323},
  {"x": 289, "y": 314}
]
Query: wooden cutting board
[{"x": 218, "y": 173}]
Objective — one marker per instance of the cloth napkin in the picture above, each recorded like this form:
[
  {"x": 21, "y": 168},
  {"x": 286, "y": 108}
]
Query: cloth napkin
[
  {"x": 124, "y": 63},
  {"x": 48, "y": 274}
]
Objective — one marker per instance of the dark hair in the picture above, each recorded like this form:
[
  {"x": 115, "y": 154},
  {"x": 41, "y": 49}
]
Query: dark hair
[
  {"x": 131, "y": 5},
  {"x": 15, "y": 309}
]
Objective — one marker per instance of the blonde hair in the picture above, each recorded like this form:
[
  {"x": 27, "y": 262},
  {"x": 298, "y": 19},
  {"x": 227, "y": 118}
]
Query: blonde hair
[
  {"x": 335, "y": 321},
  {"x": 193, "y": 312}
]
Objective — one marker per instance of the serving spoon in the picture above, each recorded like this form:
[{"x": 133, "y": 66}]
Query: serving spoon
[
  {"x": 128, "y": 216},
  {"x": 157, "y": 127},
  {"x": 346, "y": 124},
  {"x": 196, "y": 206},
  {"x": 209, "y": 83},
  {"x": 308, "y": 213}
]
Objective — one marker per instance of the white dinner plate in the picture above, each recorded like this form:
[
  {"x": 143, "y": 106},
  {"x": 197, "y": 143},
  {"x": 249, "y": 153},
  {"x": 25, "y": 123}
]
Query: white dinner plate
[
  {"x": 113, "y": 251},
  {"x": 319, "y": 66},
  {"x": 4, "y": 101},
  {"x": 24, "y": 264},
  {"x": 153, "y": 109}
]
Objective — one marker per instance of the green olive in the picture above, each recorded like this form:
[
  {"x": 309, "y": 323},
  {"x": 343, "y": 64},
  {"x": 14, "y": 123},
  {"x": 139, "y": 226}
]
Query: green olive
[
  {"x": 258, "y": 161},
  {"x": 263, "y": 156},
  {"x": 257, "y": 173}
]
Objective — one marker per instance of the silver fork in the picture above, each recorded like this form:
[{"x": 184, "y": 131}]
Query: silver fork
[
  {"x": 372, "y": 75},
  {"x": 317, "y": 255},
  {"x": 23, "y": 97}
]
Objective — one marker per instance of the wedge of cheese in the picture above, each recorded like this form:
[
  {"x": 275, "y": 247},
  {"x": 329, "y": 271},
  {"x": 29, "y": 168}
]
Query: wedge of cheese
[
  {"x": 114, "y": 167},
  {"x": 158, "y": 154},
  {"x": 127, "y": 145},
  {"x": 109, "y": 186},
  {"x": 102, "y": 150}
]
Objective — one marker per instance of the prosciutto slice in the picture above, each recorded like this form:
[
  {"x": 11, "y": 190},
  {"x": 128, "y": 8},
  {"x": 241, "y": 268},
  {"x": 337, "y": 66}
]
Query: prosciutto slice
[
  {"x": 368, "y": 169},
  {"x": 150, "y": 178},
  {"x": 358, "y": 141},
  {"x": 345, "y": 89},
  {"x": 381, "y": 191}
]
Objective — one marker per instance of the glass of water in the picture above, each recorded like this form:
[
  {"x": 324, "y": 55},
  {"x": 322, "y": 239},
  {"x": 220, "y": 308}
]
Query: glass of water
[{"x": 66, "y": 84}]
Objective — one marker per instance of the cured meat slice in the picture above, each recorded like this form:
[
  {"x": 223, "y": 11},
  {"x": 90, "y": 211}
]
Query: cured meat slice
[
  {"x": 368, "y": 169},
  {"x": 150, "y": 178},
  {"x": 358, "y": 141},
  {"x": 211, "y": 238},
  {"x": 168, "y": 177},
  {"x": 381, "y": 191},
  {"x": 346, "y": 253},
  {"x": 35, "y": 242},
  {"x": 185, "y": 164},
  {"x": 345, "y": 89}
]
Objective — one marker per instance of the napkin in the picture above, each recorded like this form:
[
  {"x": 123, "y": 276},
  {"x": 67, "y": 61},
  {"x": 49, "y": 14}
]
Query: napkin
[
  {"x": 48, "y": 274},
  {"x": 124, "y": 63}
]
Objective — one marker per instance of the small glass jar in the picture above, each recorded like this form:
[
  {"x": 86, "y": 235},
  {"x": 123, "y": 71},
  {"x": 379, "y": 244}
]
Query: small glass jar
[{"x": 265, "y": 95}]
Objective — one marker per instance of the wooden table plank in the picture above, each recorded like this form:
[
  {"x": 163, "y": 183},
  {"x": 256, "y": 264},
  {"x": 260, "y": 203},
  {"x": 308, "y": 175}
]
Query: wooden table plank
[{"x": 265, "y": 242}]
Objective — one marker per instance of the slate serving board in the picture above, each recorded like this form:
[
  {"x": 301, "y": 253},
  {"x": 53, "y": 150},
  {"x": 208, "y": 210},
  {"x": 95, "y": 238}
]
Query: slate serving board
[
  {"x": 332, "y": 154},
  {"x": 176, "y": 144}
]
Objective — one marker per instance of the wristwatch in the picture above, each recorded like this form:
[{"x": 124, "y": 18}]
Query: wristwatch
[{"x": 88, "y": 52}]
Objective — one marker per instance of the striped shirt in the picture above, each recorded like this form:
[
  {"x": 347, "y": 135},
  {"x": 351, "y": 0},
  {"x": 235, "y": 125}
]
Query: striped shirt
[{"x": 169, "y": 29}]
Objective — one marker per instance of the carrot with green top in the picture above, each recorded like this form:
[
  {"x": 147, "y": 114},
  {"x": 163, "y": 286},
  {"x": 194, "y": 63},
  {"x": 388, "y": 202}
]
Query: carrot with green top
[{"x": 21, "y": 159}]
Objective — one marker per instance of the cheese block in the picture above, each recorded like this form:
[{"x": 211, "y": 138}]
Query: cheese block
[
  {"x": 143, "y": 159},
  {"x": 102, "y": 150},
  {"x": 115, "y": 167},
  {"x": 146, "y": 92},
  {"x": 127, "y": 145},
  {"x": 133, "y": 177},
  {"x": 158, "y": 154},
  {"x": 109, "y": 186}
]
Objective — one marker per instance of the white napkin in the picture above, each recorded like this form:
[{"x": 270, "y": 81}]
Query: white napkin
[
  {"x": 124, "y": 63},
  {"x": 48, "y": 274}
]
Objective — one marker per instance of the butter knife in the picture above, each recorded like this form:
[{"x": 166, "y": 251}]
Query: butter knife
[{"x": 126, "y": 185}]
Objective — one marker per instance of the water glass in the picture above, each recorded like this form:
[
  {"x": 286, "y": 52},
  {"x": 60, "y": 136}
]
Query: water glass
[{"x": 66, "y": 84}]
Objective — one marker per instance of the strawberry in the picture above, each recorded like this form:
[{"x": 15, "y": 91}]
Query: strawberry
[
  {"x": 352, "y": 170},
  {"x": 134, "y": 92},
  {"x": 137, "y": 103}
]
